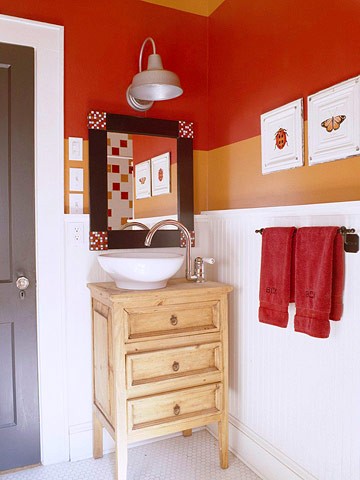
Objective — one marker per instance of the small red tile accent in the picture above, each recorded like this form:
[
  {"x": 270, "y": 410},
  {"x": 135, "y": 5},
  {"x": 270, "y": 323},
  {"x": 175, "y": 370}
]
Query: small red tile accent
[
  {"x": 115, "y": 168},
  {"x": 115, "y": 151},
  {"x": 123, "y": 143},
  {"x": 97, "y": 120},
  {"x": 116, "y": 186},
  {"x": 183, "y": 239},
  {"x": 98, "y": 240},
  {"x": 109, "y": 212},
  {"x": 186, "y": 129},
  {"x": 124, "y": 196},
  {"x": 131, "y": 169}
]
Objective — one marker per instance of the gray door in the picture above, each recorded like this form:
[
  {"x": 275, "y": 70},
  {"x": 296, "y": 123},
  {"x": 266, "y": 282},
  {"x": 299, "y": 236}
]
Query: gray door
[{"x": 19, "y": 409}]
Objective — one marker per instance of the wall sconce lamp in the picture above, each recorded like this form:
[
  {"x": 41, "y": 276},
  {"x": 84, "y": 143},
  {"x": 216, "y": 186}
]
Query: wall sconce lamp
[{"x": 154, "y": 84}]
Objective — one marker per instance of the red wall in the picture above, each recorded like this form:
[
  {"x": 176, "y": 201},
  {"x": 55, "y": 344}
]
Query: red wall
[
  {"x": 102, "y": 44},
  {"x": 146, "y": 147},
  {"x": 266, "y": 53}
]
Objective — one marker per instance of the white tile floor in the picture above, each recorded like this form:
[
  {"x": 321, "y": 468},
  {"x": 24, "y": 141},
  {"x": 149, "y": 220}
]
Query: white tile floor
[{"x": 192, "y": 458}]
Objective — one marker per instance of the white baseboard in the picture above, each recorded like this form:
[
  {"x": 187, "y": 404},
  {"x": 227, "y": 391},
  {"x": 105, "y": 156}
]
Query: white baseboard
[
  {"x": 81, "y": 441},
  {"x": 80, "y": 437},
  {"x": 259, "y": 455}
]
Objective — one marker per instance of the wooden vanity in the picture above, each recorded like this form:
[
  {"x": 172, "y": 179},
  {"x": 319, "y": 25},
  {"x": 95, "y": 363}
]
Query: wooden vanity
[{"x": 160, "y": 363}]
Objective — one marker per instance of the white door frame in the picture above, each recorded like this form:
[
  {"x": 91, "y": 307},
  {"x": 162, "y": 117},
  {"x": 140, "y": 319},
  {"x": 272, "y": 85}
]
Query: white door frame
[{"x": 48, "y": 42}]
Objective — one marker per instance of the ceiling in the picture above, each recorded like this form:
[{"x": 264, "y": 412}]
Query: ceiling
[{"x": 199, "y": 7}]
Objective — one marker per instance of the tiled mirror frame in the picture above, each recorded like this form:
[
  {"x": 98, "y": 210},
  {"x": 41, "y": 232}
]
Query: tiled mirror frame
[{"x": 99, "y": 123}]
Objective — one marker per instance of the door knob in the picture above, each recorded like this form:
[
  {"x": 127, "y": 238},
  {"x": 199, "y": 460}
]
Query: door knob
[{"x": 22, "y": 283}]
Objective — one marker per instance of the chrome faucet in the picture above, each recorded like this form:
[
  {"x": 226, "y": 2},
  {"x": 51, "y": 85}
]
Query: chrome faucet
[
  {"x": 133, "y": 224},
  {"x": 198, "y": 275}
]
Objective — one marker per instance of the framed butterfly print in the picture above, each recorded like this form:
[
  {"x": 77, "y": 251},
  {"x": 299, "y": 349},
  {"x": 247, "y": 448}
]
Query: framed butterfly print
[
  {"x": 334, "y": 122},
  {"x": 282, "y": 137},
  {"x": 142, "y": 180},
  {"x": 160, "y": 174}
]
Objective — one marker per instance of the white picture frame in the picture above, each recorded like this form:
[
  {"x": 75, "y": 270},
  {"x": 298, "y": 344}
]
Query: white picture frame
[
  {"x": 76, "y": 149},
  {"x": 160, "y": 174},
  {"x": 334, "y": 122},
  {"x": 282, "y": 137},
  {"x": 142, "y": 180}
]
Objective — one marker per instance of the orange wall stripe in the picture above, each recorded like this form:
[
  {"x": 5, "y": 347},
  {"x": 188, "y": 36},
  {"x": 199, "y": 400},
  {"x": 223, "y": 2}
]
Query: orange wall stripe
[
  {"x": 200, "y": 181},
  {"x": 235, "y": 179}
]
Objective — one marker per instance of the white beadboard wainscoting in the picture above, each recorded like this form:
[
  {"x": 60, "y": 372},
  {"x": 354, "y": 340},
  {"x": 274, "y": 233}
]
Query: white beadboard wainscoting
[{"x": 294, "y": 399}]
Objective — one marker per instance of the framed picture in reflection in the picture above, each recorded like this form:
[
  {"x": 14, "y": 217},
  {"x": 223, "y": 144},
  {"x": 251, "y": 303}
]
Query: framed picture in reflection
[
  {"x": 160, "y": 174},
  {"x": 142, "y": 180}
]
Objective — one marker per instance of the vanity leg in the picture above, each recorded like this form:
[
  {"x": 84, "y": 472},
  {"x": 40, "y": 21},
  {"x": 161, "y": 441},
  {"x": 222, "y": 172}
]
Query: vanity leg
[
  {"x": 97, "y": 437},
  {"x": 223, "y": 435},
  {"x": 121, "y": 459},
  {"x": 120, "y": 410},
  {"x": 187, "y": 433}
]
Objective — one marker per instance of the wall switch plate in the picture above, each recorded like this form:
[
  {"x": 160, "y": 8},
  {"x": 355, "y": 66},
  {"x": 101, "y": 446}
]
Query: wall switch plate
[
  {"x": 75, "y": 148},
  {"x": 76, "y": 179},
  {"x": 76, "y": 233},
  {"x": 76, "y": 201}
]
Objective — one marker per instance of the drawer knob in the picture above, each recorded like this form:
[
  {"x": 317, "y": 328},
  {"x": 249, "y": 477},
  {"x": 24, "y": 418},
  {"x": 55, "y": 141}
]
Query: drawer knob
[
  {"x": 176, "y": 366},
  {"x": 176, "y": 409},
  {"x": 173, "y": 320}
]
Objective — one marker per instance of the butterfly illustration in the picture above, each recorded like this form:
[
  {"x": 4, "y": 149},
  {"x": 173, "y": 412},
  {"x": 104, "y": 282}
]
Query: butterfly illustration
[
  {"x": 142, "y": 180},
  {"x": 333, "y": 123}
]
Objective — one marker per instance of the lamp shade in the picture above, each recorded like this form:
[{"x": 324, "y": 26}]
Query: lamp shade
[{"x": 155, "y": 83}]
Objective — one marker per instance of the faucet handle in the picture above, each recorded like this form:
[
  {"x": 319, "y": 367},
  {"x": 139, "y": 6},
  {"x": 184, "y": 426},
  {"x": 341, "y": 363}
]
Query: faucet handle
[{"x": 209, "y": 260}]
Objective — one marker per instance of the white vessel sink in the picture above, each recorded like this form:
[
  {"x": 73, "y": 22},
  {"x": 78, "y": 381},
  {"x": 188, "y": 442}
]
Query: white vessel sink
[{"x": 141, "y": 271}]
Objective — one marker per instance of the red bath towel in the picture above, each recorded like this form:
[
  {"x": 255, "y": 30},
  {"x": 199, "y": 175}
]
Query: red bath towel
[
  {"x": 319, "y": 278},
  {"x": 275, "y": 275}
]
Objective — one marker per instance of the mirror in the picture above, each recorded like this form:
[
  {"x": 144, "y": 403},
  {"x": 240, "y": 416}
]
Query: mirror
[{"x": 141, "y": 170}]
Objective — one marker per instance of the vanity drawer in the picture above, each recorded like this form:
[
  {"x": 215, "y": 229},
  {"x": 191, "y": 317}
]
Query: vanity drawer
[
  {"x": 174, "y": 406},
  {"x": 197, "y": 364},
  {"x": 182, "y": 319}
]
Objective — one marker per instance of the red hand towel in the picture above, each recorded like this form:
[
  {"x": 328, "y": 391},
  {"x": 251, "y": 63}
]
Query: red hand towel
[
  {"x": 318, "y": 279},
  {"x": 275, "y": 275}
]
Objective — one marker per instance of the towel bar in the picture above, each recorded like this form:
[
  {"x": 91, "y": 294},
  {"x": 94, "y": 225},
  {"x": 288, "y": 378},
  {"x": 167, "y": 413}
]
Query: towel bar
[{"x": 351, "y": 239}]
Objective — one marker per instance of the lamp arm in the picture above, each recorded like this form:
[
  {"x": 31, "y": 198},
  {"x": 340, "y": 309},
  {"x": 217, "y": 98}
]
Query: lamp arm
[{"x": 148, "y": 39}]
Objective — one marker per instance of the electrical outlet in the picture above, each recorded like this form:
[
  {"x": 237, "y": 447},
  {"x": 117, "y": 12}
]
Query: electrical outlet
[{"x": 76, "y": 233}]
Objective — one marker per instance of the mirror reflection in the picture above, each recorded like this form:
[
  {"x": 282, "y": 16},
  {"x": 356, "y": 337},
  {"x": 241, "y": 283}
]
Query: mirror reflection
[{"x": 141, "y": 180}]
